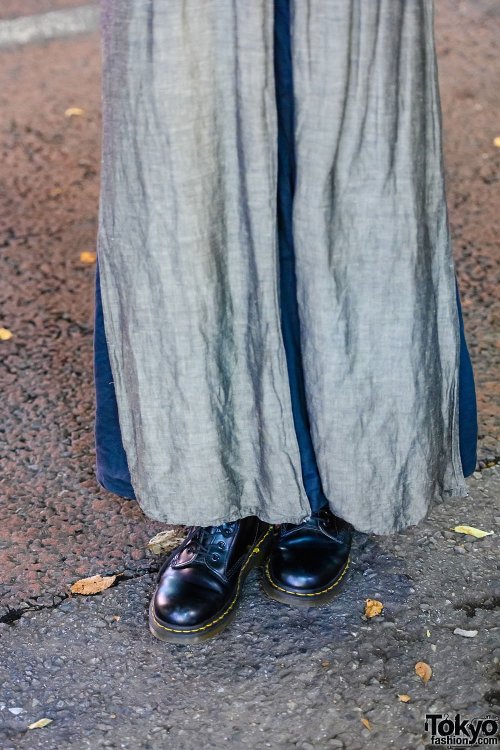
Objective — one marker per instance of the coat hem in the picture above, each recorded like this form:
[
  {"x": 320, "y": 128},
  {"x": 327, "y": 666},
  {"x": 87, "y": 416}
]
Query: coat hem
[
  {"x": 460, "y": 490},
  {"x": 229, "y": 517},
  {"x": 117, "y": 488}
]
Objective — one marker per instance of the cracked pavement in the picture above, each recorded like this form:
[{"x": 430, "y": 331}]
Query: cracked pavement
[{"x": 278, "y": 677}]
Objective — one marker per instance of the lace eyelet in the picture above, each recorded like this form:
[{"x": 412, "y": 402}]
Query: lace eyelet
[
  {"x": 215, "y": 557},
  {"x": 221, "y": 545}
]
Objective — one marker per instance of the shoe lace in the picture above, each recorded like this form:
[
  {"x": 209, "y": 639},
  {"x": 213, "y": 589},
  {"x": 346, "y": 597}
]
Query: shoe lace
[
  {"x": 314, "y": 520},
  {"x": 201, "y": 537}
]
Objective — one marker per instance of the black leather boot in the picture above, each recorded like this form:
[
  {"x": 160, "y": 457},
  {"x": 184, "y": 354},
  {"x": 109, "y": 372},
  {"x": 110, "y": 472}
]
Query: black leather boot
[
  {"x": 308, "y": 562},
  {"x": 200, "y": 581}
]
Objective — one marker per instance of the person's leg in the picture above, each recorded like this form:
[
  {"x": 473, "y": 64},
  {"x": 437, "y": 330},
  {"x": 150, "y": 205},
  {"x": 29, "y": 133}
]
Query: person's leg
[
  {"x": 307, "y": 561},
  {"x": 200, "y": 581}
]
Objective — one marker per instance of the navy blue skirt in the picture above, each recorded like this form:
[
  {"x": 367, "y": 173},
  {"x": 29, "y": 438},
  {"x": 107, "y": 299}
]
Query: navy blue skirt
[{"x": 111, "y": 462}]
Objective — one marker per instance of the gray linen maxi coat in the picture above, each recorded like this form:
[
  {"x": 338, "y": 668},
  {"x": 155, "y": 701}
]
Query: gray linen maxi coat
[{"x": 187, "y": 248}]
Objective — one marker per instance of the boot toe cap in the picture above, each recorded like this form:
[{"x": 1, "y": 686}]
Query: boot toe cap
[
  {"x": 307, "y": 569},
  {"x": 184, "y": 607}
]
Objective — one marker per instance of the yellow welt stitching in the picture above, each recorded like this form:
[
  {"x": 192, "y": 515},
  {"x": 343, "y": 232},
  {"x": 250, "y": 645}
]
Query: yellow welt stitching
[
  {"x": 208, "y": 625},
  {"x": 316, "y": 593}
]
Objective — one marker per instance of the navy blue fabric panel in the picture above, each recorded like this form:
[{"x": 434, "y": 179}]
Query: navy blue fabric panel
[
  {"x": 289, "y": 311},
  {"x": 467, "y": 403},
  {"x": 111, "y": 462}
]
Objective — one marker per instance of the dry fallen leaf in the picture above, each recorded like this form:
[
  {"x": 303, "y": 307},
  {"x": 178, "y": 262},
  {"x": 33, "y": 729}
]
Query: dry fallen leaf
[
  {"x": 366, "y": 724},
  {"x": 373, "y": 607},
  {"x": 92, "y": 585},
  {"x": 496, "y": 141},
  {"x": 471, "y": 531},
  {"x": 325, "y": 663},
  {"x": 88, "y": 256},
  {"x": 404, "y": 698},
  {"x": 74, "y": 112},
  {"x": 40, "y": 723},
  {"x": 5, "y": 334},
  {"x": 423, "y": 670},
  {"x": 165, "y": 541},
  {"x": 428, "y": 633}
]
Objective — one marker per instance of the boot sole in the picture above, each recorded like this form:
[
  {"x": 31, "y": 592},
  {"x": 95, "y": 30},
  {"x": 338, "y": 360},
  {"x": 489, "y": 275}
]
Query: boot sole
[
  {"x": 220, "y": 620},
  {"x": 304, "y": 599}
]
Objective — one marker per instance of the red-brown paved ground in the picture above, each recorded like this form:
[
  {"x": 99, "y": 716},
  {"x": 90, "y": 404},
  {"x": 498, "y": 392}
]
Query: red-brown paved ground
[
  {"x": 469, "y": 53},
  {"x": 57, "y": 523}
]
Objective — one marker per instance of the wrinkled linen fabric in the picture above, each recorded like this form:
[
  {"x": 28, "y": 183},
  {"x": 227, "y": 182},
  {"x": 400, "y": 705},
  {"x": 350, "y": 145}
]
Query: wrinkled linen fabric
[{"x": 189, "y": 270}]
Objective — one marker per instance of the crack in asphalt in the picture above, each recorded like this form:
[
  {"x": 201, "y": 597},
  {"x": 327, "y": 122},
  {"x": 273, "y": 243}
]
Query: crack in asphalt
[
  {"x": 14, "y": 614},
  {"x": 470, "y": 607}
]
